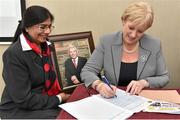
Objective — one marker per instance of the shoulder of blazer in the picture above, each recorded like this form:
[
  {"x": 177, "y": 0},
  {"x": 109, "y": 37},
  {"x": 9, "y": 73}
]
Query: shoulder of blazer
[
  {"x": 112, "y": 39},
  {"x": 68, "y": 61},
  {"x": 82, "y": 58},
  {"x": 150, "y": 43},
  {"x": 15, "y": 48},
  {"x": 15, "y": 53}
]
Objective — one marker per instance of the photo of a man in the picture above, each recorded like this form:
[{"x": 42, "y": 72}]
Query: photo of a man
[{"x": 73, "y": 66}]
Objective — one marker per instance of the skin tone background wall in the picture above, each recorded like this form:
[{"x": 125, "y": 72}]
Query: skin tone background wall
[{"x": 103, "y": 16}]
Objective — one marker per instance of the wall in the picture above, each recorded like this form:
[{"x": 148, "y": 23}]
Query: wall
[
  {"x": 2, "y": 49},
  {"x": 103, "y": 16}
]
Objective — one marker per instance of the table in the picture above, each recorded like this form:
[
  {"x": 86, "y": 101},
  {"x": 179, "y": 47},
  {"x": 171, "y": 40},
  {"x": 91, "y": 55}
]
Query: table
[{"x": 82, "y": 92}]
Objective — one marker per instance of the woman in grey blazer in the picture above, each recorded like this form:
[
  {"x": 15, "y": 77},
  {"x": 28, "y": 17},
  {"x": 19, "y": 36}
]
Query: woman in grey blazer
[{"x": 128, "y": 58}]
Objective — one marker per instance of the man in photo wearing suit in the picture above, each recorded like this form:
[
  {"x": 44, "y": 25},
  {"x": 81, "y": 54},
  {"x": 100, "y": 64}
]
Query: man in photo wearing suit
[{"x": 73, "y": 66}]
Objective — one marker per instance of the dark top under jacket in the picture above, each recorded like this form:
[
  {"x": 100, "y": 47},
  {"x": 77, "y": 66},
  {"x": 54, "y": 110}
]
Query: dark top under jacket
[
  {"x": 24, "y": 81},
  {"x": 128, "y": 72}
]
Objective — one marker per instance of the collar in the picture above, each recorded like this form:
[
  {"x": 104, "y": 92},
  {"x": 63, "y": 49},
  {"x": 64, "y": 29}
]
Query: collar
[
  {"x": 75, "y": 59},
  {"x": 25, "y": 45}
]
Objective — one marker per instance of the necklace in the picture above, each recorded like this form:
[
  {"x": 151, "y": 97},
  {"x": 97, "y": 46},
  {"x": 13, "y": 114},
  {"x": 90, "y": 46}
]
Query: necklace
[{"x": 131, "y": 51}]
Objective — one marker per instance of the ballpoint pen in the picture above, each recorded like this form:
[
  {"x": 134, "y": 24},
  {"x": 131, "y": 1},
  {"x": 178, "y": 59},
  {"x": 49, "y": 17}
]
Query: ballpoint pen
[{"x": 107, "y": 82}]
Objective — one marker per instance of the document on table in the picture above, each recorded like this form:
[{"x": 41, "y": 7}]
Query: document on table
[
  {"x": 133, "y": 103},
  {"x": 94, "y": 108},
  {"x": 97, "y": 107},
  {"x": 163, "y": 107}
]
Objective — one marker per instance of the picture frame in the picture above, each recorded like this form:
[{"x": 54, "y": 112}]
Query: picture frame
[
  {"x": 9, "y": 19},
  {"x": 84, "y": 43}
]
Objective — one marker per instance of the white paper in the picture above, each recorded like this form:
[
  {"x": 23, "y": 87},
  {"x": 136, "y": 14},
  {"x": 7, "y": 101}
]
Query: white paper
[
  {"x": 95, "y": 108},
  {"x": 124, "y": 100}
]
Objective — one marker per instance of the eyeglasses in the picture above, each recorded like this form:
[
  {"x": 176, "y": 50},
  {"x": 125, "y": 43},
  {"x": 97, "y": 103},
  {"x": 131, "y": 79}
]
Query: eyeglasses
[{"x": 43, "y": 27}]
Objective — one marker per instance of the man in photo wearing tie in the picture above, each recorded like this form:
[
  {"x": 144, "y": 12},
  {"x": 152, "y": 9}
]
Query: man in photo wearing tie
[{"x": 73, "y": 66}]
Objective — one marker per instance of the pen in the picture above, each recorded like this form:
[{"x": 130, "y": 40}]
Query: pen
[{"x": 107, "y": 82}]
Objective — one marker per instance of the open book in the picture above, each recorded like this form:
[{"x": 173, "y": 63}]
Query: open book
[{"x": 97, "y": 107}]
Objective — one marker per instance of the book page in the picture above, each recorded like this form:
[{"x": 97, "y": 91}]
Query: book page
[
  {"x": 95, "y": 108},
  {"x": 124, "y": 100}
]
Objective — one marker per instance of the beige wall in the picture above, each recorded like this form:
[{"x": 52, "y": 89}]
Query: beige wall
[
  {"x": 2, "y": 49},
  {"x": 103, "y": 16}
]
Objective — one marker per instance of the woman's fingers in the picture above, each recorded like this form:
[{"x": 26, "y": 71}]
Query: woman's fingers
[
  {"x": 106, "y": 91},
  {"x": 134, "y": 87}
]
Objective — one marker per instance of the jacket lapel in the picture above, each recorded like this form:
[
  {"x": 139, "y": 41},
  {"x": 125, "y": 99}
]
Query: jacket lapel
[
  {"x": 116, "y": 55},
  {"x": 36, "y": 58},
  {"x": 143, "y": 58},
  {"x": 116, "y": 51}
]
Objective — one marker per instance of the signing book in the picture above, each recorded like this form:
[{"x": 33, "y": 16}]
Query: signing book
[{"x": 97, "y": 107}]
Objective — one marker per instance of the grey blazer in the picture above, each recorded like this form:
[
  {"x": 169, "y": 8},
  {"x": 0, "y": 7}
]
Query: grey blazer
[{"x": 106, "y": 56}]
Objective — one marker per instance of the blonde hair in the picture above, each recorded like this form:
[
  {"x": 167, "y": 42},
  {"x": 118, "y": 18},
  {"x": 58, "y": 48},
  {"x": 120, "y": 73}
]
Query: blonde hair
[
  {"x": 140, "y": 12},
  {"x": 72, "y": 46}
]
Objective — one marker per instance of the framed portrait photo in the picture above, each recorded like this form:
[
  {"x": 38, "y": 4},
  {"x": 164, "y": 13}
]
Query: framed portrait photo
[{"x": 70, "y": 52}]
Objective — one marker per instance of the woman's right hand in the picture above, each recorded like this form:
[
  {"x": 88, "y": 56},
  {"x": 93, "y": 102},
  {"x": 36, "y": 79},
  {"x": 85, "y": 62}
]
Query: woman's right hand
[
  {"x": 64, "y": 96},
  {"x": 105, "y": 91}
]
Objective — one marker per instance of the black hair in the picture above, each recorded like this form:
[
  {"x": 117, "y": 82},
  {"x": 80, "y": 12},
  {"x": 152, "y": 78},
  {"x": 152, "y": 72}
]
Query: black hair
[{"x": 32, "y": 16}]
